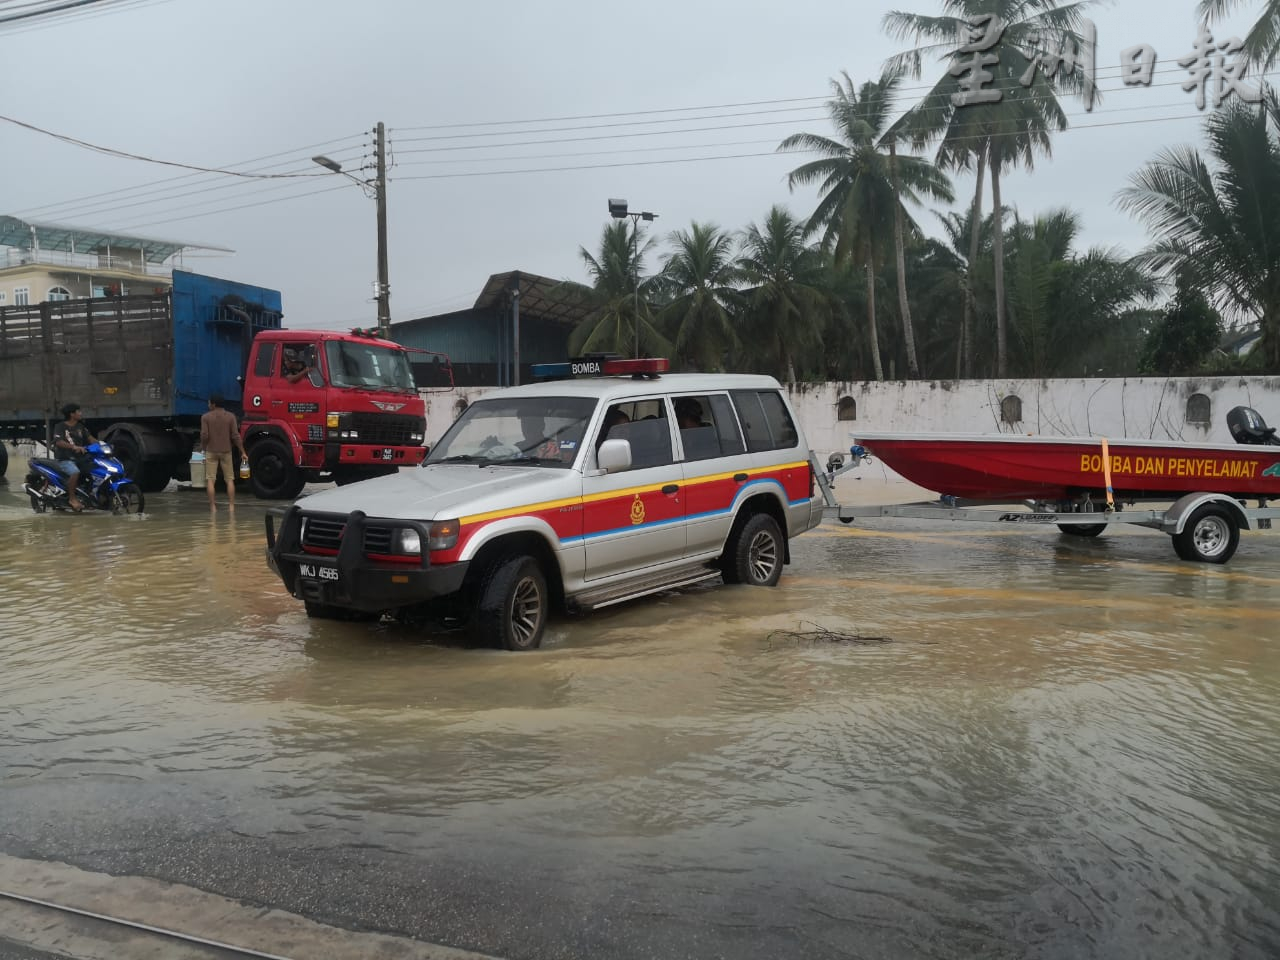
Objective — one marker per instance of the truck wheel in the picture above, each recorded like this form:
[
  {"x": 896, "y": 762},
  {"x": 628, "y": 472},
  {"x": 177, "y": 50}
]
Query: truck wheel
[
  {"x": 513, "y": 605},
  {"x": 754, "y": 553},
  {"x": 1082, "y": 529},
  {"x": 1210, "y": 536},
  {"x": 272, "y": 472}
]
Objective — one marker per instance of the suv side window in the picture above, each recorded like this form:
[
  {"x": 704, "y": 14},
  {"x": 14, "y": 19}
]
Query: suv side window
[
  {"x": 708, "y": 427},
  {"x": 266, "y": 362},
  {"x": 765, "y": 420},
  {"x": 649, "y": 432}
]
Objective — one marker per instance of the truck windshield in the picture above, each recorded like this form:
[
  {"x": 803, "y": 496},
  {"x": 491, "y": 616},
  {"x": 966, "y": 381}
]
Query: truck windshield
[
  {"x": 369, "y": 366},
  {"x": 517, "y": 430}
]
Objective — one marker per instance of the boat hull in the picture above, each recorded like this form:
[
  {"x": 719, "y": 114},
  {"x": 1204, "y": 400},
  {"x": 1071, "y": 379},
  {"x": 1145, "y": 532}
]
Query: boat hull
[{"x": 982, "y": 467}]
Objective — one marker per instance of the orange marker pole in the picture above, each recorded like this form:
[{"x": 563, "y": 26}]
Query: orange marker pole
[{"x": 1106, "y": 473}]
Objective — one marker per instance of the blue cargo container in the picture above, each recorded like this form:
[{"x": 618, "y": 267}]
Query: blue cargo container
[{"x": 141, "y": 367}]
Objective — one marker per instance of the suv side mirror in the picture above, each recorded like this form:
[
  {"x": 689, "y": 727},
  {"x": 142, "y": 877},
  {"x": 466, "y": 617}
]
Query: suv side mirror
[{"x": 614, "y": 456}]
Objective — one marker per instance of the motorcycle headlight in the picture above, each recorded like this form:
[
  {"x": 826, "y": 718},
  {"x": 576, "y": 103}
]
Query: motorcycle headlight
[
  {"x": 106, "y": 449},
  {"x": 409, "y": 542}
]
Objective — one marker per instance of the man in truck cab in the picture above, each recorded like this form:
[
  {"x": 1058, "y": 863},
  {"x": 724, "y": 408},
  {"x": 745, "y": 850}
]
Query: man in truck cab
[{"x": 299, "y": 365}]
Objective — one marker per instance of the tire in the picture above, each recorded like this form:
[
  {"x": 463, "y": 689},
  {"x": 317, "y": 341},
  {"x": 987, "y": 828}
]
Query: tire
[
  {"x": 1082, "y": 529},
  {"x": 323, "y": 611},
  {"x": 128, "y": 498},
  {"x": 1211, "y": 535},
  {"x": 4, "y": 459},
  {"x": 754, "y": 554},
  {"x": 37, "y": 503},
  {"x": 513, "y": 606},
  {"x": 272, "y": 472},
  {"x": 150, "y": 477}
]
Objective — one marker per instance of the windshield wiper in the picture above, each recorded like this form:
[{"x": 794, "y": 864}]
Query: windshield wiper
[
  {"x": 526, "y": 458},
  {"x": 462, "y": 458}
]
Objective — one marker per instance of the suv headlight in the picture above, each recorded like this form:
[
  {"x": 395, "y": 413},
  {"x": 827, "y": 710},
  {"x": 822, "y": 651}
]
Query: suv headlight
[{"x": 409, "y": 542}]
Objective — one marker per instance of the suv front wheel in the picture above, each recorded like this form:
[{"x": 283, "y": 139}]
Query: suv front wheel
[
  {"x": 755, "y": 553},
  {"x": 513, "y": 605}
]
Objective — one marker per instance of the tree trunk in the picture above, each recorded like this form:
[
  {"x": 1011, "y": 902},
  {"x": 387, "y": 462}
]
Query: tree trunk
[
  {"x": 899, "y": 243},
  {"x": 872, "y": 333},
  {"x": 1002, "y": 356},
  {"x": 964, "y": 363}
]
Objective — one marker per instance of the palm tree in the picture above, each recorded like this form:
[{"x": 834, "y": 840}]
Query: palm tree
[
  {"x": 863, "y": 186},
  {"x": 618, "y": 298},
  {"x": 1063, "y": 304},
  {"x": 786, "y": 302},
  {"x": 1262, "y": 42},
  {"x": 699, "y": 278},
  {"x": 996, "y": 136},
  {"x": 1217, "y": 219}
]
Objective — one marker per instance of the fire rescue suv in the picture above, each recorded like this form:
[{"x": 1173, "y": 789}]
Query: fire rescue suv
[{"x": 615, "y": 483}]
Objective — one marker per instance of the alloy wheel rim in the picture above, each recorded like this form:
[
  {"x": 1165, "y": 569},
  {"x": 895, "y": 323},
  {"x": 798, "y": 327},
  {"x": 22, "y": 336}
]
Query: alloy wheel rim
[
  {"x": 762, "y": 556},
  {"x": 526, "y": 610}
]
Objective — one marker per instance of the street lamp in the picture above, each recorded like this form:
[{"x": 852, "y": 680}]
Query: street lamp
[
  {"x": 379, "y": 185},
  {"x": 618, "y": 210}
]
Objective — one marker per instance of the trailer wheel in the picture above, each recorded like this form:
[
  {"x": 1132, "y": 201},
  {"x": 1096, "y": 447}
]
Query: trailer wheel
[
  {"x": 1210, "y": 536},
  {"x": 755, "y": 553},
  {"x": 513, "y": 606},
  {"x": 1082, "y": 529},
  {"x": 272, "y": 472}
]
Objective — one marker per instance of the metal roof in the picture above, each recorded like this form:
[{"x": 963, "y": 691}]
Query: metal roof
[
  {"x": 539, "y": 296},
  {"x": 60, "y": 237}
]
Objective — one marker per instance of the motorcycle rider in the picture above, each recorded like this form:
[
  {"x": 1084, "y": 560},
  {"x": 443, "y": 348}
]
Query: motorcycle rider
[{"x": 70, "y": 442}]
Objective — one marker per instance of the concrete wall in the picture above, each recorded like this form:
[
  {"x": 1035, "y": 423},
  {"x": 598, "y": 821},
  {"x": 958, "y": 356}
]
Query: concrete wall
[{"x": 1151, "y": 408}]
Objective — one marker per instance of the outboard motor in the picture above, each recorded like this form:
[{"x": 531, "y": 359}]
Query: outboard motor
[{"x": 1247, "y": 426}]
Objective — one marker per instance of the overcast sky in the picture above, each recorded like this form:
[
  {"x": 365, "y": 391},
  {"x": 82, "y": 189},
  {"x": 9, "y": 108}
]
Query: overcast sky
[{"x": 222, "y": 82}]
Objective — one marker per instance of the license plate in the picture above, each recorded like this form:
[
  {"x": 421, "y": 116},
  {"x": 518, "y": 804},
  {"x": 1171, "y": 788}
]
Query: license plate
[
  {"x": 315, "y": 571},
  {"x": 388, "y": 453}
]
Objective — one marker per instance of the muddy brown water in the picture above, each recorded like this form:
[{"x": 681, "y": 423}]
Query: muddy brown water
[{"x": 1067, "y": 748}]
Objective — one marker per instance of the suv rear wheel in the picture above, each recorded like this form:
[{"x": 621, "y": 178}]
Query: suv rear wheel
[
  {"x": 513, "y": 606},
  {"x": 755, "y": 552}
]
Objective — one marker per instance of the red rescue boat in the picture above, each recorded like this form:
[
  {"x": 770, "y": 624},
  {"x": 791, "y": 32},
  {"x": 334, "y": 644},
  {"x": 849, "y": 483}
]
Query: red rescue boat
[{"x": 1005, "y": 468}]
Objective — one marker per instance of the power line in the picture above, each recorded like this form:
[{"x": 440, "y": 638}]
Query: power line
[
  {"x": 50, "y": 9},
  {"x": 60, "y": 19},
  {"x": 111, "y": 152},
  {"x": 296, "y": 196},
  {"x": 192, "y": 176}
]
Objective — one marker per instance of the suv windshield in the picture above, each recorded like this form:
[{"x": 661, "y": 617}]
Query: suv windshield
[
  {"x": 518, "y": 430},
  {"x": 368, "y": 365}
]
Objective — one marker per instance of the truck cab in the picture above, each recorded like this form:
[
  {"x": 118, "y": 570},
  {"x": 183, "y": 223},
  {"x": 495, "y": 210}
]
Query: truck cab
[{"x": 326, "y": 405}]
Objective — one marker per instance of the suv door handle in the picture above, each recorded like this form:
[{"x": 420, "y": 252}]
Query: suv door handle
[
  {"x": 670, "y": 488},
  {"x": 739, "y": 478}
]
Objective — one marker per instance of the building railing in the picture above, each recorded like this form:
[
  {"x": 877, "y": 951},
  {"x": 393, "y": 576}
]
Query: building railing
[{"x": 15, "y": 257}]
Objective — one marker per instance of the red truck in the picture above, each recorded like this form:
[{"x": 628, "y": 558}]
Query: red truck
[{"x": 324, "y": 405}]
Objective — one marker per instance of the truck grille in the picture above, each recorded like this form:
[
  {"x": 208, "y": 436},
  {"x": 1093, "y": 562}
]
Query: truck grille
[
  {"x": 326, "y": 535},
  {"x": 388, "y": 429}
]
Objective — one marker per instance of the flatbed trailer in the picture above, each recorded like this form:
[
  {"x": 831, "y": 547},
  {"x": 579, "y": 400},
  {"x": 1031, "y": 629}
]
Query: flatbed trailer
[{"x": 1204, "y": 526}]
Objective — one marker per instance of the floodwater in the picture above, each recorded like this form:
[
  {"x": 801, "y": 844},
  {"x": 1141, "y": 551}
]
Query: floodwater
[{"x": 930, "y": 740}]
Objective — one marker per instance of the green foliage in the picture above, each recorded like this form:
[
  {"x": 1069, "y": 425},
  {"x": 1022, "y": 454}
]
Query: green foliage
[{"x": 1183, "y": 340}]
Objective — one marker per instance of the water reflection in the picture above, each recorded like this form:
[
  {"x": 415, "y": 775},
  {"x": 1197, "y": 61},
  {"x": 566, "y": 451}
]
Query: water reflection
[{"x": 1069, "y": 748}]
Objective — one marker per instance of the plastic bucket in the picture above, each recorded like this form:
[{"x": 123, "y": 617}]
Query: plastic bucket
[{"x": 197, "y": 470}]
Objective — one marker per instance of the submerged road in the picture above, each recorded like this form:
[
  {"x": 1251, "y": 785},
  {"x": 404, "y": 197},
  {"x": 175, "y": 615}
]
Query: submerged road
[{"x": 1061, "y": 748}]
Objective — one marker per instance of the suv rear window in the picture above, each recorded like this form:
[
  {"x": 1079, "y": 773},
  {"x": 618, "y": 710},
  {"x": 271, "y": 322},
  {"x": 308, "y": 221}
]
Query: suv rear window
[{"x": 765, "y": 420}]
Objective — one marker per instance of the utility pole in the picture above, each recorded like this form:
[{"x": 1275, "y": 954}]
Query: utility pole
[
  {"x": 515, "y": 322},
  {"x": 380, "y": 195}
]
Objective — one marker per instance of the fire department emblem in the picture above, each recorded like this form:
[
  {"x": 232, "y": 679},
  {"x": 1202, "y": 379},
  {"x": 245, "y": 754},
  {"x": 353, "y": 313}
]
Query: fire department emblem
[
  {"x": 387, "y": 407},
  {"x": 637, "y": 511}
]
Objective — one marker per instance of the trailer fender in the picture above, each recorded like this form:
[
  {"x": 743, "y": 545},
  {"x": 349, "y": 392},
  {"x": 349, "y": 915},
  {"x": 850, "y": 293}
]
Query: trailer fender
[{"x": 1175, "y": 518}]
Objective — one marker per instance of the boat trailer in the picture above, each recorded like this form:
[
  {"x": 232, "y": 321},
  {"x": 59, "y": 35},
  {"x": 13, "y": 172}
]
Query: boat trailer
[{"x": 1205, "y": 527}]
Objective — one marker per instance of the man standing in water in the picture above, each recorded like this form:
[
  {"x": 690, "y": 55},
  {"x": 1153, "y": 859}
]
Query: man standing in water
[{"x": 219, "y": 433}]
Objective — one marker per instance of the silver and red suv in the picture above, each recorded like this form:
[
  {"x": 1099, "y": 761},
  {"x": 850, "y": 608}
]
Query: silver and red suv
[{"x": 579, "y": 492}]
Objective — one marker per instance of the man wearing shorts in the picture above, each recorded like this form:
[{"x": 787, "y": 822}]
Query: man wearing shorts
[
  {"x": 69, "y": 443},
  {"x": 219, "y": 434}
]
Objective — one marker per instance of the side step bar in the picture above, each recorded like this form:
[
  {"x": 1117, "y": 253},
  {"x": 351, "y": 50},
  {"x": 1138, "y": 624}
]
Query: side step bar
[{"x": 598, "y": 599}]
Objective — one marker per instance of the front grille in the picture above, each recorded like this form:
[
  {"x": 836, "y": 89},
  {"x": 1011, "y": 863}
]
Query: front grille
[
  {"x": 324, "y": 534},
  {"x": 388, "y": 429}
]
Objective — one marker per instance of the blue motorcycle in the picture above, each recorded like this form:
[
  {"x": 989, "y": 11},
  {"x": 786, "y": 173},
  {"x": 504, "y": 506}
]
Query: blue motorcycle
[{"x": 103, "y": 485}]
